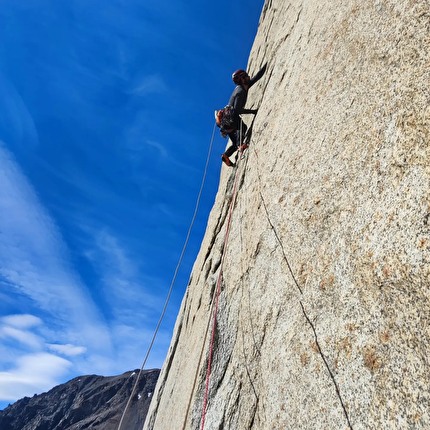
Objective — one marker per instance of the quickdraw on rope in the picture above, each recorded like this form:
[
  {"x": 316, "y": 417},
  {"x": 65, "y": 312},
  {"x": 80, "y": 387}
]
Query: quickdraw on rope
[
  {"x": 218, "y": 291},
  {"x": 173, "y": 280}
]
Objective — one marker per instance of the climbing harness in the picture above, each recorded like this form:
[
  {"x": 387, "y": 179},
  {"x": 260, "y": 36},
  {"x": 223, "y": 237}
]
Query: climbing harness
[{"x": 169, "y": 293}]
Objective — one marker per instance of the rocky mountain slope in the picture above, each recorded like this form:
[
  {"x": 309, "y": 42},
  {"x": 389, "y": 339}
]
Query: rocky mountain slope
[
  {"x": 324, "y": 303},
  {"x": 87, "y": 402}
]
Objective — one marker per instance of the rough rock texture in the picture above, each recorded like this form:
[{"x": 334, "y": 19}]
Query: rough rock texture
[
  {"x": 87, "y": 402},
  {"x": 324, "y": 311}
]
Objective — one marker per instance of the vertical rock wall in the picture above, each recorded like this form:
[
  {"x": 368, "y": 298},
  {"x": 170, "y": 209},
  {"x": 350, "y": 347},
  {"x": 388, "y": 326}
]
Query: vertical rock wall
[{"x": 324, "y": 310}]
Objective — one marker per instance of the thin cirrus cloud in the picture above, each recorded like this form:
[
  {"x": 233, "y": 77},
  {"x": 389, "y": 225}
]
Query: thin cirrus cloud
[
  {"x": 22, "y": 321},
  {"x": 133, "y": 299},
  {"x": 32, "y": 373},
  {"x": 35, "y": 263},
  {"x": 121, "y": 279},
  {"x": 31, "y": 249},
  {"x": 15, "y": 121},
  {"x": 149, "y": 85},
  {"x": 157, "y": 146},
  {"x": 98, "y": 172},
  {"x": 27, "y": 364},
  {"x": 24, "y": 337},
  {"x": 68, "y": 350}
]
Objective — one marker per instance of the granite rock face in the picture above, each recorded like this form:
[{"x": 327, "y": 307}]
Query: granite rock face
[
  {"x": 86, "y": 402},
  {"x": 323, "y": 317}
]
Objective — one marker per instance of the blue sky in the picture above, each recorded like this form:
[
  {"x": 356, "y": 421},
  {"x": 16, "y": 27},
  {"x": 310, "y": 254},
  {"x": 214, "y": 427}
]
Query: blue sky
[{"x": 106, "y": 115}]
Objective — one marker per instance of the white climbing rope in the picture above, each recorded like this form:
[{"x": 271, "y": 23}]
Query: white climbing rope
[{"x": 169, "y": 293}]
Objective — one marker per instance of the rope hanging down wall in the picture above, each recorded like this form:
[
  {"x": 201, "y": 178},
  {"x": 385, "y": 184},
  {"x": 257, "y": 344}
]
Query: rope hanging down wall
[
  {"x": 169, "y": 293},
  {"x": 184, "y": 423},
  {"x": 218, "y": 290}
]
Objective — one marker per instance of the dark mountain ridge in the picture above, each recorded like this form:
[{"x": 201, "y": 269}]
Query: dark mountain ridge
[{"x": 85, "y": 402}]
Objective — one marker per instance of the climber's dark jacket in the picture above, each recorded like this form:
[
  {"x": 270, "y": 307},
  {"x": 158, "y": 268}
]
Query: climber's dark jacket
[
  {"x": 237, "y": 102},
  {"x": 240, "y": 95}
]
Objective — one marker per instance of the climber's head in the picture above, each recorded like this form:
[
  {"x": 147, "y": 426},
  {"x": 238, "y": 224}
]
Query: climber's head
[{"x": 240, "y": 77}]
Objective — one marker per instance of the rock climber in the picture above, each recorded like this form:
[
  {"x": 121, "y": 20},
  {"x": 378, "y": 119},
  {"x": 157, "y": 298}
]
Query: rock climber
[{"x": 236, "y": 128}]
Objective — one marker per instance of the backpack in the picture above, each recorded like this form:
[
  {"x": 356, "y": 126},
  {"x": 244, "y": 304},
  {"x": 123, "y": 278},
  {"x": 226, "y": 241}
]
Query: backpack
[{"x": 224, "y": 119}]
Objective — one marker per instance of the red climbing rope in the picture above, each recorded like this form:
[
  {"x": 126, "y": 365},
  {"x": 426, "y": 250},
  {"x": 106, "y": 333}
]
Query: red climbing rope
[
  {"x": 169, "y": 293},
  {"x": 217, "y": 294}
]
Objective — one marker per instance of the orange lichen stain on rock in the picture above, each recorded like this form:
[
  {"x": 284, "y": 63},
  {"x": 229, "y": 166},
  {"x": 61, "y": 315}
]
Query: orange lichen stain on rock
[
  {"x": 417, "y": 417},
  {"x": 304, "y": 359},
  {"x": 422, "y": 243},
  {"x": 386, "y": 271},
  {"x": 314, "y": 347},
  {"x": 345, "y": 346},
  {"x": 384, "y": 336},
  {"x": 351, "y": 327},
  {"x": 371, "y": 360},
  {"x": 327, "y": 282}
]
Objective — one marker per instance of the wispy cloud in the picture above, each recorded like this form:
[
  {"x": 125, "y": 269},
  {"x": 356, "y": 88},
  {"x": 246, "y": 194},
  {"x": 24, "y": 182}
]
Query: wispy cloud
[
  {"x": 33, "y": 373},
  {"x": 149, "y": 85},
  {"x": 121, "y": 277},
  {"x": 22, "y": 336},
  {"x": 35, "y": 263},
  {"x": 16, "y": 122},
  {"x": 71, "y": 334},
  {"x": 135, "y": 299},
  {"x": 68, "y": 350},
  {"x": 28, "y": 366},
  {"x": 21, "y": 320},
  {"x": 34, "y": 258},
  {"x": 139, "y": 148},
  {"x": 156, "y": 145}
]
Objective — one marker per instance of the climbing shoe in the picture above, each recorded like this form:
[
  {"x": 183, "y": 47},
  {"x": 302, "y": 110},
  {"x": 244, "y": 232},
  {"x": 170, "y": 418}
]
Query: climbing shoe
[
  {"x": 243, "y": 147},
  {"x": 227, "y": 160}
]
